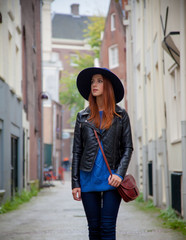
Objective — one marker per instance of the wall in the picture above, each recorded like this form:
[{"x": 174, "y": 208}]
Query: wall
[
  {"x": 31, "y": 83},
  {"x": 11, "y": 156},
  {"x": 11, "y": 126},
  {"x": 157, "y": 90},
  {"x": 115, "y": 37},
  {"x": 64, "y": 51}
]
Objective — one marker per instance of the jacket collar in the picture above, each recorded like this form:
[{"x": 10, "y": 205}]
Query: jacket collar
[
  {"x": 86, "y": 111},
  {"x": 118, "y": 109}
]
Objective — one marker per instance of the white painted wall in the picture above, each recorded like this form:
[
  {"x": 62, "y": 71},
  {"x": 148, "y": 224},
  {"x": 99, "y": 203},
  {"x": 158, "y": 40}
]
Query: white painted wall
[
  {"x": 10, "y": 45},
  {"x": 156, "y": 97},
  {"x": 51, "y": 63}
]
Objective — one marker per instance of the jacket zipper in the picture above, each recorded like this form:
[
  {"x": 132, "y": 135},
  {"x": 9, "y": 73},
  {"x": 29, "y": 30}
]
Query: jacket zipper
[
  {"x": 97, "y": 130},
  {"x": 93, "y": 127}
]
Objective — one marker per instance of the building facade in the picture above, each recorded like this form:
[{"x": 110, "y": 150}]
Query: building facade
[
  {"x": 113, "y": 47},
  {"x": 52, "y": 109},
  {"x": 113, "y": 55},
  {"x": 21, "y": 144},
  {"x": 156, "y": 81},
  {"x": 53, "y": 137},
  {"x": 68, "y": 41},
  {"x": 32, "y": 82},
  {"x": 11, "y": 129}
]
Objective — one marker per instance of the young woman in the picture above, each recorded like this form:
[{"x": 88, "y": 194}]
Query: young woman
[{"x": 91, "y": 181}]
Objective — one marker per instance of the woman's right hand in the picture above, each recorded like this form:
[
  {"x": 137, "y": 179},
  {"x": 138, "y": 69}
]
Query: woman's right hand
[{"x": 76, "y": 192}]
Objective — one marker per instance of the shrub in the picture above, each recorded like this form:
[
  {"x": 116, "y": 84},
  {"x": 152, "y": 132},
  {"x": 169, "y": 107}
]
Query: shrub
[
  {"x": 19, "y": 199},
  {"x": 172, "y": 220}
]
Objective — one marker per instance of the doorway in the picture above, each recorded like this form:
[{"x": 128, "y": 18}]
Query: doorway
[{"x": 14, "y": 165}]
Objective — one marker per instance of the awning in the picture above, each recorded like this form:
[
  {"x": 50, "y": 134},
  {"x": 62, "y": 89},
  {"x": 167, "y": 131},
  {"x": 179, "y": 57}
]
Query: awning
[{"x": 170, "y": 47}]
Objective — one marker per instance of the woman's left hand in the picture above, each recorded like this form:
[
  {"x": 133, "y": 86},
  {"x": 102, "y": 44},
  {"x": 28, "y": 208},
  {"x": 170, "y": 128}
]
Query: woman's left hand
[{"x": 114, "y": 180}]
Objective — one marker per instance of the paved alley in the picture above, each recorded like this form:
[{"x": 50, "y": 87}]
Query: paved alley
[{"x": 54, "y": 215}]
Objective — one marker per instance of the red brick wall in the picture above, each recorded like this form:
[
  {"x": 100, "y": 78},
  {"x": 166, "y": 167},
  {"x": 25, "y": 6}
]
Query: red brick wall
[
  {"x": 115, "y": 37},
  {"x": 31, "y": 82}
]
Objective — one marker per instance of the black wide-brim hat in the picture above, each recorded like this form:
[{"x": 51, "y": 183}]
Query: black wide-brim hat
[{"x": 84, "y": 82}]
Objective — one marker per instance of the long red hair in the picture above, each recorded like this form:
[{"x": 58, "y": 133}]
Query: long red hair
[{"x": 108, "y": 105}]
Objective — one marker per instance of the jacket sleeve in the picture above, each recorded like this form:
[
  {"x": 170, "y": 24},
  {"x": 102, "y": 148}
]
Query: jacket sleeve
[
  {"x": 77, "y": 153},
  {"x": 126, "y": 146}
]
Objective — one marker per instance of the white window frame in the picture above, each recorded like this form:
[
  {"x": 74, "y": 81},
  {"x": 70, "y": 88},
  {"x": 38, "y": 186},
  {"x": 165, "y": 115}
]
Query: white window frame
[
  {"x": 113, "y": 22},
  {"x": 72, "y": 56},
  {"x": 113, "y": 56},
  {"x": 175, "y": 104}
]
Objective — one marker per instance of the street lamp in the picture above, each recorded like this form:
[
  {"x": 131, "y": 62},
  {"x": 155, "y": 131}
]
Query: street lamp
[{"x": 42, "y": 96}]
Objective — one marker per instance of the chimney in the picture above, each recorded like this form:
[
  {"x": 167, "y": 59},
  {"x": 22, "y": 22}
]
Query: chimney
[{"x": 75, "y": 9}]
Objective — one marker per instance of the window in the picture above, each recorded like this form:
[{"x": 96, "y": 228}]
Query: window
[
  {"x": 113, "y": 57},
  {"x": 10, "y": 60},
  {"x": 17, "y": 72},
  {"x": 73, "y": 59},
  {"x": 113, "y": 22},
  {"x": 149, "y": 106}
]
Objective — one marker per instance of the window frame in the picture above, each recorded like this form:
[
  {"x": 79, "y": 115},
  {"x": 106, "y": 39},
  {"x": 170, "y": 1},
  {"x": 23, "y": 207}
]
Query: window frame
[
  {"x": 113, "y": 22},
  {"x": 73, "y": 55},
  {"x": 113, "y": 54}
]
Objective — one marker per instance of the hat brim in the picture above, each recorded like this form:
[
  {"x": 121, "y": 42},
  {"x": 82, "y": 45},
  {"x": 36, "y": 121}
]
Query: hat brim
[{"x": 84, "y": 82}]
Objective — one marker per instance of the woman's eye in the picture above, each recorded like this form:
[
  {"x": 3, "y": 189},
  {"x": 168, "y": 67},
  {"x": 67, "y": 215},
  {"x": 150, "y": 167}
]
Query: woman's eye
[{"x": 96, "y": 81}]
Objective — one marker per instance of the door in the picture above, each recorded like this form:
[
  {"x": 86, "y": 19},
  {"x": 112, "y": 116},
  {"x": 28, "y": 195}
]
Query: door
[{"x": 14, "y": 165}]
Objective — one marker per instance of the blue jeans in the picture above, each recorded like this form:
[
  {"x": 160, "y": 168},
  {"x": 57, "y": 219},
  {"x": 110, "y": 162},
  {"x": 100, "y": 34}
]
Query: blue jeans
[{"x": 101, "y": 209}]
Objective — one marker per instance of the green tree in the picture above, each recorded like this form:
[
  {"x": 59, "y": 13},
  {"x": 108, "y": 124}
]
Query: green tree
[
  {"x": 93, "y": 33},
  {"x": 70, "y": 95}
]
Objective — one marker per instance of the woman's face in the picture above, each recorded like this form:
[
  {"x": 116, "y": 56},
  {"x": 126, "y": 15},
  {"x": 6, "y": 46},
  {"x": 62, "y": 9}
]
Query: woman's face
[{"x": 97, "y": 85}]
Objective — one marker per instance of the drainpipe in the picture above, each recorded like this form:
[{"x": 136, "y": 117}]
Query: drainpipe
[
  {"x": 183, "y": 96},
  {"x": 54, "y": 159},
  {"x": 145, "y": 141},
  {"x": 166, "y": 171},
  {"x": 42, "y": 121}
]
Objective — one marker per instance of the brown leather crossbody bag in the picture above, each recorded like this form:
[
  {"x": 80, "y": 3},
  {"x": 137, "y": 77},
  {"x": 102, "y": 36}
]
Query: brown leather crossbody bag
[{"x": 128, "y": 188}]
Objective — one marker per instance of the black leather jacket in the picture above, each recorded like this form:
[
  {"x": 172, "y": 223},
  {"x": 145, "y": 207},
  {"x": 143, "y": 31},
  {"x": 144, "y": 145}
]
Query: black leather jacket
[{"x": 117, "y": 144}]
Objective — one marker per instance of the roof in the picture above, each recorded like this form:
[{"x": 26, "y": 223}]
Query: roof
[{"x": 67, "y": 26}]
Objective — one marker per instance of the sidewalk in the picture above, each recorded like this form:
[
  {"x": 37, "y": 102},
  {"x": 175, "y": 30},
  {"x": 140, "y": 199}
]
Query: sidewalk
[{"x": 54, "y": 215}]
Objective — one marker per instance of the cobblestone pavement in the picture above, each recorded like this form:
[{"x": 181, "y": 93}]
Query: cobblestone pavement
[{"x": 54, "y": 215}]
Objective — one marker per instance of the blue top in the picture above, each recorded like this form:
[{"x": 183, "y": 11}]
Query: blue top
[{"x": 97, "y": 179}]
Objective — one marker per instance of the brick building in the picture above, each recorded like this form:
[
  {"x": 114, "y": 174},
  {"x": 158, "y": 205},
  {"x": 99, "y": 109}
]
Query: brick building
[
  {"x": 68, "y": 40},
  {"x": 31, "y": 82},
  {"x": 20, "y": 86},
  {"x": 113, "y": 48}
]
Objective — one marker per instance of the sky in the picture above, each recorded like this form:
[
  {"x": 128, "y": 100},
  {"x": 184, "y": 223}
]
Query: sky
[{"x": 86, "y": 7}]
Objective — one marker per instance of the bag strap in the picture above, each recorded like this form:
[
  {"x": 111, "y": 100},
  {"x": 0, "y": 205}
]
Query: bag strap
[{"x": 102, "y": 152}]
